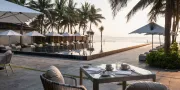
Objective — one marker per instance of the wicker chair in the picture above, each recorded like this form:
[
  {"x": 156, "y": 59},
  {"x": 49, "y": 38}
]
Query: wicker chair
[
  {"x": 5, "y": 59},
  {"x": 146, "y": 85},
  {"x": 51, "y": 85}
]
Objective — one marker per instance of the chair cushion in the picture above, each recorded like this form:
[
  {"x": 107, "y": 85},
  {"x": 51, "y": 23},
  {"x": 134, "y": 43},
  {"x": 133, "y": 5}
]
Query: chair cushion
[
  {"x": 146, "y": 85},
  {"x": 8, "y": 52},
  {"x": 54, "y": 74}
]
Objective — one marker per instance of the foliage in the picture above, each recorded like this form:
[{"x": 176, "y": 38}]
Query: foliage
[
  {"x": 162, "y": 60},
  {"x": 174, "y": 47},
  {"x": 62, "y": 15}
]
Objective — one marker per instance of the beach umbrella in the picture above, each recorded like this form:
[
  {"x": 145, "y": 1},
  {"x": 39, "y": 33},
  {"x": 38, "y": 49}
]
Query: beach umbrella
[
  {"x": 9, "y": 33},
  {"x": 156, "y": 34},
  {"x": 66, "y": 34},
  {"x": 53, "y": 34},
  {"x": 151, "y": 28},
  {"x": 14, "y": 13},
  {"x": 33, "y": 34},
  {"x": 77, "y": 34}
]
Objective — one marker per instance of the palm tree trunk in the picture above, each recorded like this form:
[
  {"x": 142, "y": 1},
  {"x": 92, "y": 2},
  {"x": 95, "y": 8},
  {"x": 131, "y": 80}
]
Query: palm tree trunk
[
  {"x": 173, "y": 29},
  {"x": 101, "y": 40},
  {"x": 42, "y": 25},
  {"x": 90, "y": 26},
  {"x": 177, "y": 18},
  {"x": 168, "y": 15},
  {"x": 68, "y": 28}
]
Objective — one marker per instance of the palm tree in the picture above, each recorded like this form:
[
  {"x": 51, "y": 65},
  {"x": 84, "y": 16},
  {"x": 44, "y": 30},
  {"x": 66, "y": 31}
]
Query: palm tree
[
  {"x": 19, "y": 2},
  {"x": 84, "y": 12},
  {"x": 42, "y": 6},
  {"x": 101, "y": 30},
  {"x": 117, "y": 5},
  {"x": 94, "y": 17},
  {"x": 60, "y": 7}
]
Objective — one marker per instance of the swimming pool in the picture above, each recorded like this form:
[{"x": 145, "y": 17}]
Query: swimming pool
[{"x": 77, "y": 51}]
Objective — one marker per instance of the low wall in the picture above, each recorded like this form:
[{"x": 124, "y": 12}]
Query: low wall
[{"x": 113, "y": 52}]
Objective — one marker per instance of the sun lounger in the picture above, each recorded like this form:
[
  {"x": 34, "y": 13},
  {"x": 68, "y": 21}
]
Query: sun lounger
[
  {"x": 57, "y": 44},
  {"x": 40, "y": 45},
  {"x": 8, "y": 48},
  {"x": 26, "y": 45},
  {"x": 32, "y": 46},
  {"x": 2, "y": 47}
]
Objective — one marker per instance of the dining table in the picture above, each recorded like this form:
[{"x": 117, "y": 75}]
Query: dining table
[{"x": 98, "y": 74}]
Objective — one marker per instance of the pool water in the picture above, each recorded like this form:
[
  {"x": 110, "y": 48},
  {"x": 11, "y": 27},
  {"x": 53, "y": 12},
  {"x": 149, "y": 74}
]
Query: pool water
[{"x": 82, "y": 49}]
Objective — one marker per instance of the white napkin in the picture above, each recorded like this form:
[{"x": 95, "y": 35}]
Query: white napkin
[
  {"x": 120, "y": 72},
  {"x": 94, "y": 70}
]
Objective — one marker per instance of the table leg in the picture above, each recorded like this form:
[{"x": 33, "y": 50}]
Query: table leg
[
  {"x": 81, "y": 77},
  {"x": 124, "y": 85},
  {"x": 154, "y": 79},
  {"x": 95, "y": 85}
]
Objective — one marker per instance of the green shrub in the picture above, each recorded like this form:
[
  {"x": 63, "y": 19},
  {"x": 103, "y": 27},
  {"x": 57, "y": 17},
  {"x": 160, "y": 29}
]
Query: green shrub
[
  {"x": 162, "y": 60},
  {"x": 174, "y": 47}
]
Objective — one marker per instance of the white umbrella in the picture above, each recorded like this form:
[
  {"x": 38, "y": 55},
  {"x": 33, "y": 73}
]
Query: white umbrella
[
  {"x": 77, "y": 34},
  {"x": 53, "y": 34},
  {"x": 34, "y": 33},
  {"x": 9, "y": 33},
  {"x": 14, "y": 13},
  {"x": 66, "y": 34},
  {"x": 151, "y": 28}
]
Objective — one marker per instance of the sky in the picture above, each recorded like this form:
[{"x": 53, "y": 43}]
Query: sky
[{"x": 118, "y": 27}]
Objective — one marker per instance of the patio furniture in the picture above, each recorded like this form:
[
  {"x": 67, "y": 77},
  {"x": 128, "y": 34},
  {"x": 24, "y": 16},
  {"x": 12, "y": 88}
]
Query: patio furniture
[
  {"x": 26, "y": 45},
  {"x": 54, "y": 80},
  {"x": 146, "y": 85},
  {"x": 146, "y": 53},
  {"x": 5, "y": 59},
  {"x": 136, "y": 73},
  {"x": 8, "y": 48},
  {"x": 57, "y": 44},
  {"x": 2, "y": 47},
  {"x": 142, "y": 57},
  {"x": 40, "y": 45}
]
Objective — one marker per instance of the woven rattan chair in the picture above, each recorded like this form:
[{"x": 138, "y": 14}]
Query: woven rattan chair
[
  {"x": 146, "y": 85},
  {"x": 51, "y": 85},
  {"x": 5, "y": 59}
]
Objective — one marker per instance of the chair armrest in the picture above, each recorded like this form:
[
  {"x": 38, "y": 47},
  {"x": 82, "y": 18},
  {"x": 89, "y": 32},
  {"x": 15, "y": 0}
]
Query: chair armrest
[
  {"x": 73, "y": 80},
  {"x": 1, "y": 57}
]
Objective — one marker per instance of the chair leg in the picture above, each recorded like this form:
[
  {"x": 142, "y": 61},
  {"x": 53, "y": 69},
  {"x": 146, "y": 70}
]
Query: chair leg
[
  {"x": 11, "y": 68},
  {"x": 6, "y": 69}
]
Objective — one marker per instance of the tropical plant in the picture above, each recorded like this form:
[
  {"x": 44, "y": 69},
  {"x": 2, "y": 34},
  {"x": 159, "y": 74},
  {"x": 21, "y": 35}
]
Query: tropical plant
[
  {"x": 42, "y": 6},
  {"x": 101, "y": 30},
  {"x": 84, "y": 12},
  {"x": 20, "y": 2},
  {"x": 60, "y": 8},
  {"x": 94, "y": 17},
  {"x": 117, "y": 5}
]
